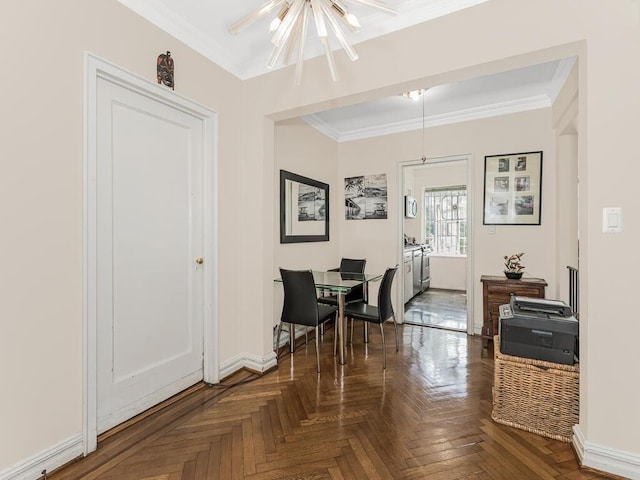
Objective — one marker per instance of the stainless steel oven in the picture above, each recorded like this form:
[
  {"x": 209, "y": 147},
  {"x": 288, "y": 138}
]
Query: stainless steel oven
[
  {"x": 417, "y": 271},
  {"x": 425, "y": 268}
]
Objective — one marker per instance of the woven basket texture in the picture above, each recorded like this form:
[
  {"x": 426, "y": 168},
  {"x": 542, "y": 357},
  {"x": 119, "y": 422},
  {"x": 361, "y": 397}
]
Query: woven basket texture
[{"x": 536, "y": 396}]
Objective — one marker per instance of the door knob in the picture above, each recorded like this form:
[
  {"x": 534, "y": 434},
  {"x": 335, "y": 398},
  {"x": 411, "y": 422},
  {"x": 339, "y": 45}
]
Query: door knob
[{"x": 200, "y": 261}]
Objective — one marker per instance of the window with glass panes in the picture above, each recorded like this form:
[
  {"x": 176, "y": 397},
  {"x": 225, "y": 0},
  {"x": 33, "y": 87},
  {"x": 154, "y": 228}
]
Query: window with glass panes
[{"x": 445, "y": 212}]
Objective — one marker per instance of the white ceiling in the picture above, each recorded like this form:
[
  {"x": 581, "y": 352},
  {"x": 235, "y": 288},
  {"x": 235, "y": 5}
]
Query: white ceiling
[
  {"x": 203, "y": 25},
  {"x": 513, "y": 91}
]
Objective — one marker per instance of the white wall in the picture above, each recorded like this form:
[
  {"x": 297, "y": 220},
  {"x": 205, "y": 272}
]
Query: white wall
[
  {"x": 523, "y": 132},
  {"x": 496, "y": 36},
  {"x": 41, "y": 185},
  {"x": 303, "y": 150},
  {"x": 565, "y": 119},
  {"x": 41, "y": 192},
  {"x": 430, "y": 175},
  {"x": 448, "y": 272}
]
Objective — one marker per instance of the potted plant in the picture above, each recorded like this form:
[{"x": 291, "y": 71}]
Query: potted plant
[{"x": 513, "y": 267}]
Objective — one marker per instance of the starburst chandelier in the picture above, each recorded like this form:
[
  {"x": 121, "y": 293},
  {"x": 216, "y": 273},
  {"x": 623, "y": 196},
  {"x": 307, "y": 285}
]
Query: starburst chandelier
[{"x": 289, "y": 27}]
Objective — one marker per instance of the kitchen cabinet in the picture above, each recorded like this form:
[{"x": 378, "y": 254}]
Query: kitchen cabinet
[
  {"x": 410, "y": 271},
  {"x": 408, "y": 276},
  {"x": 497, "y": 291}
]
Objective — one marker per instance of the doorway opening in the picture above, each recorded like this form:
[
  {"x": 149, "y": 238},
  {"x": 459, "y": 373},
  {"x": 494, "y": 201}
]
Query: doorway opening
[{"x": 440, "y": 231}]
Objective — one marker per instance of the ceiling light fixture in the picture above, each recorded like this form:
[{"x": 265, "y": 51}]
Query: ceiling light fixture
[
  {"x": 424, "y": 155},
  {"x": 289, "y": 27},
  {"x": 413, "y": 94}
]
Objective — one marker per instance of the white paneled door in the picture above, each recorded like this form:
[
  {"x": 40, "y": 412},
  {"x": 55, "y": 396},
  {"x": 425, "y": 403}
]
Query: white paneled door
[{"x": 149, "y": 249}]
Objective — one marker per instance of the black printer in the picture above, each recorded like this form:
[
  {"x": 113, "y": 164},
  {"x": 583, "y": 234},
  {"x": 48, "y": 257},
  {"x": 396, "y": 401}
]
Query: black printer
[{"x": 541, "y": 329}]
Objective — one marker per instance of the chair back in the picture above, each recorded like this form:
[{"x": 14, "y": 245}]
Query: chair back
[
  {"x": 353, "y": 265},
  {"x": 385, "y": 308},
  {"x": 300, "y": 301}
]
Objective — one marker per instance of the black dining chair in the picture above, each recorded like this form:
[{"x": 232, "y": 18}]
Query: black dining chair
[
  {"x": 301, "y": 305},
  {"x": 347, "y": 265},
  {"x": 380, "y": 314}
]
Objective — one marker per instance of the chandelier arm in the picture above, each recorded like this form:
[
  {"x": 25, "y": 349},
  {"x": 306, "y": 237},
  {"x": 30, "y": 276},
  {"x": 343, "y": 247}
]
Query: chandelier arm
[
  {"x": 290, "y": 44},
  {"x": 347, "y": 18},
  {"x": 321, "y": 27},
  {"x": 275, "y": 23},
  {"x": 330, "y": 60},
  {"x": 339, "y": 34},
  {"x": 301, "y": 40},
  {"x": 284, "y": 30},
  {"x": 284, "y": 43},
  {"x": 376, "y": 4},
  {"x": 262, "y": 10}
]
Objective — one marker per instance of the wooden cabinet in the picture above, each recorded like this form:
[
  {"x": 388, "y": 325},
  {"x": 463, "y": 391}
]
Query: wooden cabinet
[{"x": 497, "y": 291}]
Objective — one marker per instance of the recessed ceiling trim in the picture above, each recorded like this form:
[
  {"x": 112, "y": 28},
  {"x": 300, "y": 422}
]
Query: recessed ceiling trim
[
  {"x": 322, "y": 127},
  {"x": 167, "y": 20},
  {"x": 477, "y": 113}
]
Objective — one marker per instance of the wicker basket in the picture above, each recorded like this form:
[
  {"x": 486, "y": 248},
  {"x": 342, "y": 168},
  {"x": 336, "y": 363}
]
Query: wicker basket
[{"x": 536, "y": 396}]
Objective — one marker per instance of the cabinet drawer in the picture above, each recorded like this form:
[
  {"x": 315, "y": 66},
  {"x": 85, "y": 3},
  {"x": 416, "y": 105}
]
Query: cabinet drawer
[{"x": 505, "y": 291}]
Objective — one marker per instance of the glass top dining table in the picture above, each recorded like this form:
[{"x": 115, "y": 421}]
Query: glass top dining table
[{"x": 340, "y": 283}]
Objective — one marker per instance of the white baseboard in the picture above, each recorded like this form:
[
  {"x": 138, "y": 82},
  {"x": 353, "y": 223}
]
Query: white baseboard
[
  {"x": 260, "y": 364},
  {"x": 604, "y": 458},
  {"x": 250, "y": 361},
  {"x": 50, "y": 459}
]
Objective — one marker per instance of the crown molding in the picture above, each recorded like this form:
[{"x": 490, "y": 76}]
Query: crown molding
[
  {"x": 167, "y": 20},
  {"x": 560, "y": 77},
  {"x": 477, "y": 113},
  {"x": 374, "y": 25}
]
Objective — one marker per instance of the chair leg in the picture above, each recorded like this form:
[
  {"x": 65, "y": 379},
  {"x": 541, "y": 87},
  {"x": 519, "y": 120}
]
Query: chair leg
[
  {"x": 278, "y": 341},
  {"x": 384, "y": 350},
  {"x": 395, "y": 328},
  {"x": 351, "y": 329},
  {"x": 292, "y": 338},
  {"x": 317, "y": 350},
  {"x": 335, "y": 336}
]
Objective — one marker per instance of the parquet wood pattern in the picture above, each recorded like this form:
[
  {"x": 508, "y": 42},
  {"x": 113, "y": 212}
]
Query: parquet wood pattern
[{"x": 426, "y": 417}]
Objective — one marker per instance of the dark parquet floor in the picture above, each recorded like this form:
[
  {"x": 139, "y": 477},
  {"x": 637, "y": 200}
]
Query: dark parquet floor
[{"x": 426, "y": 417}]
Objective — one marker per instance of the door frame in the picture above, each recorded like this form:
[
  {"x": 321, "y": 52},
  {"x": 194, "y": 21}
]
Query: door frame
[
  {"x": 468, "y": 160},
  {"x": 96, "y": 67}
]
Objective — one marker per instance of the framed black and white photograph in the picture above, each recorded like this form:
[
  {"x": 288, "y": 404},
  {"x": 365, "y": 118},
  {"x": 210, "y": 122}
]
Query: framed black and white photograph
[
  {"x": 311, "y": 204},
  {"x": 512, "y": 189},
  {"x": 365, "y": 197}
]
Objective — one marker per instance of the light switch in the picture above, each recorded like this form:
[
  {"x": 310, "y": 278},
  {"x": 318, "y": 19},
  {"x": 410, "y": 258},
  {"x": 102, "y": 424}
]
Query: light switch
[
  {"x": 492, "y": 229},
  {"x": 612, "y": 220}
]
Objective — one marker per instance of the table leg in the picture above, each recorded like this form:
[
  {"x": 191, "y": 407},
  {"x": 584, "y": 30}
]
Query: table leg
[
  {"x": 365, "y": 333},
  {"x": 341, "y": 330}
]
